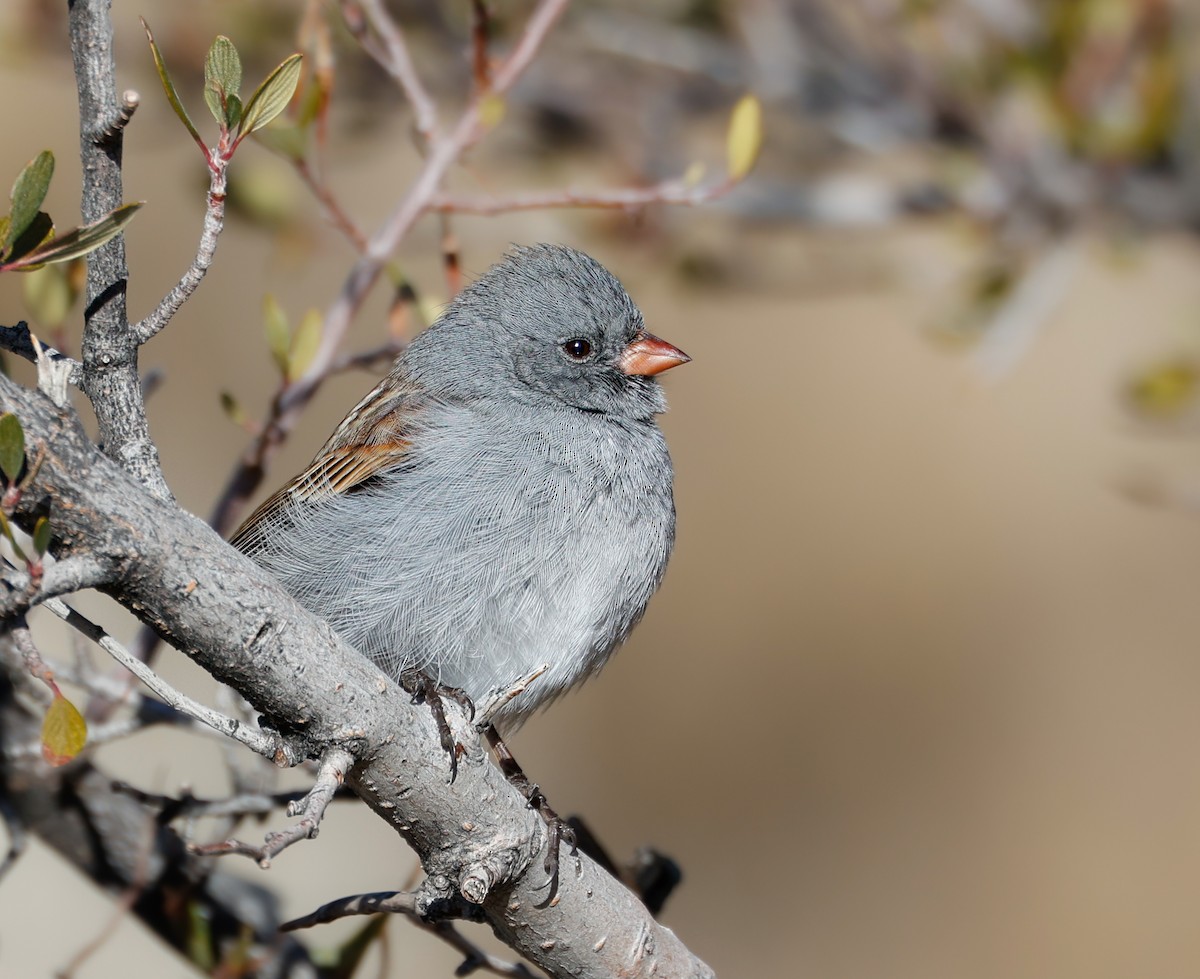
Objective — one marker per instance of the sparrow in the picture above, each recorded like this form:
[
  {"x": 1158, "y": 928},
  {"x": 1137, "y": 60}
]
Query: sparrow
[{"x": 502, "y": 499}]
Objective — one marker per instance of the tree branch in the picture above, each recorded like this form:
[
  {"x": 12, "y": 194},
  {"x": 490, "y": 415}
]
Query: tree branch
[
  {"x": 263, "y": 744},
  {"x": 310, "y": 807},
  {"x": 626, "y": 198},
  {"x": 214, "y": 221},
  {"x": 19, "y": 340},
  {"x": 444, "y": 152},
  {"x": 393, "y": 57},
  {"x": 110, "y": 350},
  {"x": 400, "y": 902},
  {"x": 474, "y": 837}
]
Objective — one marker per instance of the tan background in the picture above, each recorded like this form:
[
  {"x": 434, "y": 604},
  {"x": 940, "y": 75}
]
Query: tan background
[{"x": 918, "y": 695}]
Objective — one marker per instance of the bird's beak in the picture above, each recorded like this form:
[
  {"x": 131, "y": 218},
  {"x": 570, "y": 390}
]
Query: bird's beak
[{"x": 647, "y": 355}]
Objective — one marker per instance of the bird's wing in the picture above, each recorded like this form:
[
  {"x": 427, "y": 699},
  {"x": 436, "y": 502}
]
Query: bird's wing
[{"x": 371, "y": 439}]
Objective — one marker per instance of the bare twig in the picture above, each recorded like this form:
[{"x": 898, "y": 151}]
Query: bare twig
[
  {"x": 20, "y": 341},
  {"x": 311, "y": 807},
  {"x": 367, "y": 359},
  {"x": 58, "y": 578},
  {"x": 333, "y": 208},
  {"x": 443, "y": 154},
  {"x": 378, "y": 902},
  {"x": 481, "y": 25},
  {"x": 238, "y": 806},
  {"x": 214, "y": 221},
  {"x": 627, "y": 198},
  {"x": 268, "y": 746},
  {"x": 408, "y": 904},
  {"x": 32, "y": 656},
  {"x": 130, "y": 100},
  {"x": 392, "y": 55}
]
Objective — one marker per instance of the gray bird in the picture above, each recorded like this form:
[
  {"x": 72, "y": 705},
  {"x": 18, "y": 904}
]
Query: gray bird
[{"x": 501, "y": 499}]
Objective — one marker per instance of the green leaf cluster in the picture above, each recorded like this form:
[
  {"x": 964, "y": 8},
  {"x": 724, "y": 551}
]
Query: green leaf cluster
[
  {"x": 291, "y": 350},
  {"x": 222, "y": 93},
  {"x": 27, "y": 239}
]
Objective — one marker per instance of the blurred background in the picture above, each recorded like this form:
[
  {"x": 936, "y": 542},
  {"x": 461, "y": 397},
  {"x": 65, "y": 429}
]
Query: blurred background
[{"x": 917, "y": 697}]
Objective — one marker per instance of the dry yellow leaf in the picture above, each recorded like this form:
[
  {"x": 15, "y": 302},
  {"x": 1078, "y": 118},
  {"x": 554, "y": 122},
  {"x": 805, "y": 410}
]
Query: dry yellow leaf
[
  {"x": 64, "y": 731},
  {"x": 744, "y": 139}
]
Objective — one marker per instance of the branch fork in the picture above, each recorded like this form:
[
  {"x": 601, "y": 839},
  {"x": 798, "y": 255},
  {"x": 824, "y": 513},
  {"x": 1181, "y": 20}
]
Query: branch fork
[{"x": 311, "y": 808}]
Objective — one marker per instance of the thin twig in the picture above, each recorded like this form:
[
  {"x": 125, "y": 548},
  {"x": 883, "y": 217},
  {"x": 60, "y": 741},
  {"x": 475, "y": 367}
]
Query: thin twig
[
  {"x": 481, "y": 28},
  {"x": 367, "y": 359},
  {"x": 408, "y": 904},
  {"x": 443, "y": 154},
  {"x": 121, "y": 117},
  {"x": 333, "y": 208},
  {"x": 241, "y": 805},
  {"x": 310, "y": 807},
  {"x": 269, "y": 746},
  {"x": 394, "y": 58},
  {"x": 214, "y": 221},
  {"x": 629, "y": 198},
  {"x": 19, "y": 340},
  {"x": 34, "y": 663},
  {"x": 58, "y": 578}
]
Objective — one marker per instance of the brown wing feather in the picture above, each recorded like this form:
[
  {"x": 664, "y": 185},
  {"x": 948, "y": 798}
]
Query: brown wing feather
[{"x": 369, "y": 440}]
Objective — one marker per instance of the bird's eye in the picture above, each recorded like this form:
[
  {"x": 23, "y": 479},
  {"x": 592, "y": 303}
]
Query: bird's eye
[{"x": 577, "y": 348}]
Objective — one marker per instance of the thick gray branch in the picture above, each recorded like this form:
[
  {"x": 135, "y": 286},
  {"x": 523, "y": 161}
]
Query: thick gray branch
[
  {"x": 475, "y": 835},
  {"x": 110, "y": 349}
]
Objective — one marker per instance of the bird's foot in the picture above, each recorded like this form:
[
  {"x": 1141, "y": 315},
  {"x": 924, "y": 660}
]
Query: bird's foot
[
  {"x": 425, "y": 690},
  {"x": 559, "y": 830}
]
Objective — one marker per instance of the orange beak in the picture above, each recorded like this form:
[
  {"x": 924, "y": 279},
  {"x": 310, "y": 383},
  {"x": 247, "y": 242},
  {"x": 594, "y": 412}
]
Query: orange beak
[{"x": 647, "y": 355}]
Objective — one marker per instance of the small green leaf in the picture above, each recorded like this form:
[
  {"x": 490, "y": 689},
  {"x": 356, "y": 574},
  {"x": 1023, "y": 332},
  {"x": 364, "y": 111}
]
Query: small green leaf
[
  {"x": 77, "y": 242},
  {"x": 233, "y": 111},
  {"x": 288, "y": 141},
  {"x": 169, "y": 89},
  {"x": 744, "y": 138},
  {"x": 305, "y": 344},
  {"x": 278, "y": 332},
  {"x": 40, "y": 231},
  {"x": 64, "y": 731},
  {"x": 28, "y": 192},
  {"x": 41, "y": 536},
  {"x": 233, "y": 409},
  {"x": 12, "y": 446},
  {"x": 314, "y": 99},
  {"x": 222, "y": 78},
  {"x": 200, "y": 941},
  {"x": 272, "y": 96},
  {"x": 49, "y": 294}
]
